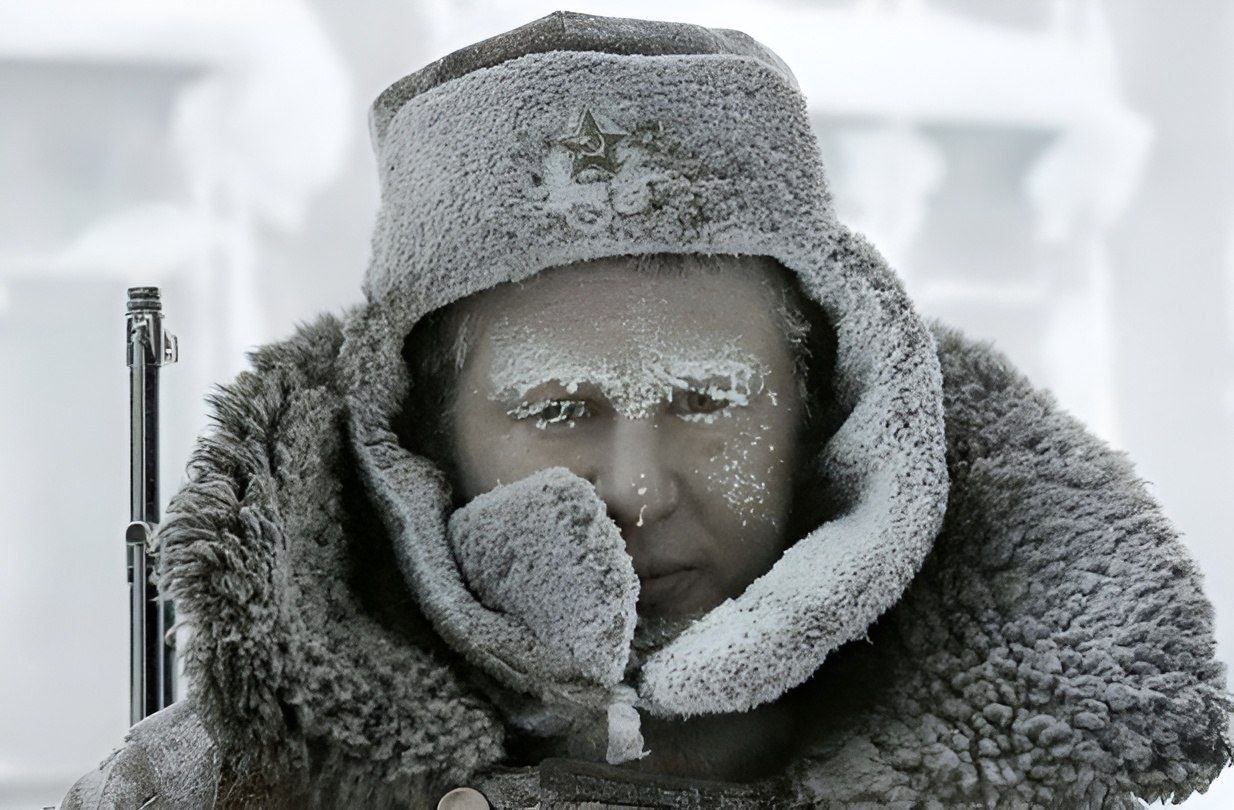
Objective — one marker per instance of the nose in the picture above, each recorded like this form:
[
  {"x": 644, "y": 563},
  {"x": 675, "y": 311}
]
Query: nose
[{"x": 633, "y": 479}]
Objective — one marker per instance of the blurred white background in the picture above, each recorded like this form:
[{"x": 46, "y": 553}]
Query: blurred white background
[{"x": 1056, "y": 176}]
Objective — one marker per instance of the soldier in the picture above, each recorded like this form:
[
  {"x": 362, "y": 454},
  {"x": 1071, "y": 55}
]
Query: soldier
[{"x": 637, "y": 481}]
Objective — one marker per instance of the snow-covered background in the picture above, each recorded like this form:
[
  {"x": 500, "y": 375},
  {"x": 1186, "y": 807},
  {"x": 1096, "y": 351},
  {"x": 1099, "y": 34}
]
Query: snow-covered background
[{"x": 1057, "y": 176}]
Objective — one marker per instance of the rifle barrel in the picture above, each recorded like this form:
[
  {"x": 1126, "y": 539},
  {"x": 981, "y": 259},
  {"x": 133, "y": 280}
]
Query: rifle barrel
[{"x": 151, "y": 650}]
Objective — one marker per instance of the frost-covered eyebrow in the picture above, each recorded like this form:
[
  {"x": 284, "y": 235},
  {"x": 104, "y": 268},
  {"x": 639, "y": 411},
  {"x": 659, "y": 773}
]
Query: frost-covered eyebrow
[
  {"x": 635, "y": 375},
  {"x": 546, "y": 390},
  {"x": 632, "y": 392}
]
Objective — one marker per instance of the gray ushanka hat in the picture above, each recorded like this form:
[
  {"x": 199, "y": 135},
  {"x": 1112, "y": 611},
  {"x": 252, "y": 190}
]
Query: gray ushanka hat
[{"x": 578, "y": 137}]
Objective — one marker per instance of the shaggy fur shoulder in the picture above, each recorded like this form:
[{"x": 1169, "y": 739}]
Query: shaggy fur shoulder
[
  {"x": 1055, "y": 650},
  {"x": 308, "y": 689}
]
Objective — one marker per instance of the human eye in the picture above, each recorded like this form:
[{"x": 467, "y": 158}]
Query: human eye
[
  {"x": 550, "y": 412},
  {"x": 696, "y": 405}
]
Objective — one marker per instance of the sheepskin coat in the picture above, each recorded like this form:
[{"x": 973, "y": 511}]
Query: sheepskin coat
[
  {"x": 997, "y": 614},
  {"x": 1055, "y": 649}
]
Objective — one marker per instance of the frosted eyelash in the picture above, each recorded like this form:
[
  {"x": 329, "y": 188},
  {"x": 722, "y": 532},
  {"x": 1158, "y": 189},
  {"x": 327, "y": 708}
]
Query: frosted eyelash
[
  {"x": 732, "y": 397},
  {"x": 572, "y": 409}
]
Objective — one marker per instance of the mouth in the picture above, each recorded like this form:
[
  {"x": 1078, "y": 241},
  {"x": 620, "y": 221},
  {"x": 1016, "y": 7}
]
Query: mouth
[{"x": 661, "y": 591}]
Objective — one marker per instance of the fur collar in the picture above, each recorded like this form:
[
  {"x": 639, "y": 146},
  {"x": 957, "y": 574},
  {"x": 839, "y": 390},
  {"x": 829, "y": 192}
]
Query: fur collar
[{"x": 1056, "y": 647}]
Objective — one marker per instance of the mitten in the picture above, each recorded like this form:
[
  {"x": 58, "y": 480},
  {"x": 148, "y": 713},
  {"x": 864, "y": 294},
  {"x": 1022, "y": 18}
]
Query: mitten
[{"x": 543, "y": 553}]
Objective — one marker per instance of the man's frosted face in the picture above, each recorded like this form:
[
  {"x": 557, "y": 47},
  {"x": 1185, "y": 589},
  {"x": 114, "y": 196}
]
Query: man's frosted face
[{"x": 674, "y": 394}]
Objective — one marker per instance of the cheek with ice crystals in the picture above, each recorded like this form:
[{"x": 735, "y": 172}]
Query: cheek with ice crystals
[{"x": 740, "y": 473}]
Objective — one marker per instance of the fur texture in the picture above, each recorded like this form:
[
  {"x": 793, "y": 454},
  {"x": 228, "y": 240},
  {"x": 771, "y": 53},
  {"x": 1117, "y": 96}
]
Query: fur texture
[
  {"x": 293, "y": 668},
  {"x": 1055, "y": 650}
]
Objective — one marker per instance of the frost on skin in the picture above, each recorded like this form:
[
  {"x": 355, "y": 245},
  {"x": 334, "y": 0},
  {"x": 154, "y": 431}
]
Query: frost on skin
[
  {"x": 663, "y": 375},
  {"x": 695, "y": 381},
  {"x": 700, "y": 390}
]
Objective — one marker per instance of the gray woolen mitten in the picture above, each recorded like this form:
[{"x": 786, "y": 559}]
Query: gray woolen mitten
[{"x": 543, "y": 552}]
